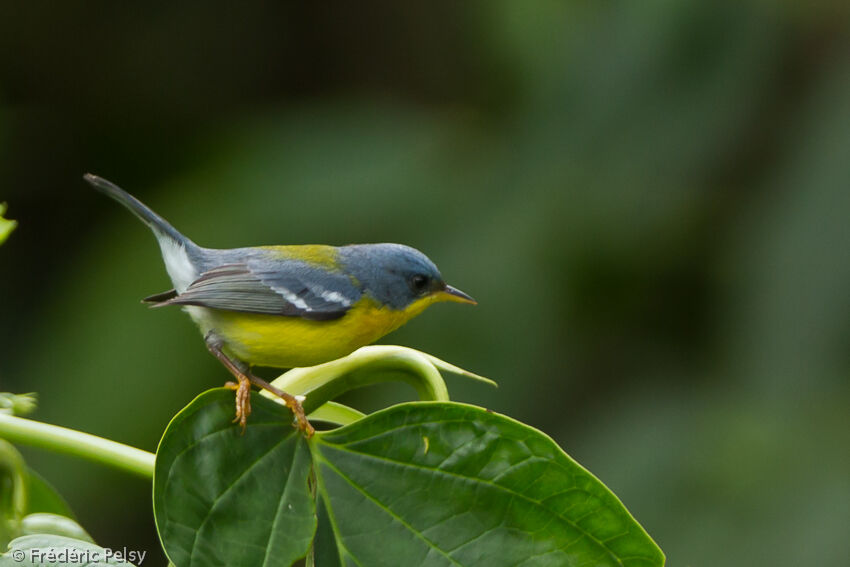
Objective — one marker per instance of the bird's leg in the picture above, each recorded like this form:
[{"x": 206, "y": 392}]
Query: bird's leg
[{"x": 243, "y": 388}]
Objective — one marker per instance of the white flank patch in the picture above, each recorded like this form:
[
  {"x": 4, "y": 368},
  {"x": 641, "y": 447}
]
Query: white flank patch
[{"x": 177, "y": 264}]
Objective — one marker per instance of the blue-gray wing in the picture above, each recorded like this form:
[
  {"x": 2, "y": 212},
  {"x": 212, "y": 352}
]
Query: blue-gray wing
[{"x": 291, "y": 289}]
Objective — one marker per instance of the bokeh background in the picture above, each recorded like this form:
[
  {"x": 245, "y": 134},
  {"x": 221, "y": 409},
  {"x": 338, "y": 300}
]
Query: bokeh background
[{"x": 650, "y": 201}]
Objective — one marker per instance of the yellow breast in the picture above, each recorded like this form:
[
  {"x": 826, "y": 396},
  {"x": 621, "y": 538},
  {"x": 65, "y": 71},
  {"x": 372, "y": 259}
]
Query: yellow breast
[{"x": 288, "y": 342}]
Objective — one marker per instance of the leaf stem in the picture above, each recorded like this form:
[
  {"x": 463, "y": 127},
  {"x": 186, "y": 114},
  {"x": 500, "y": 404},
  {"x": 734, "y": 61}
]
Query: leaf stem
[
  {"x": 365, "y": 366},
  {"x": 339, "y": 414},
  {"x": 71, "y": 442}
]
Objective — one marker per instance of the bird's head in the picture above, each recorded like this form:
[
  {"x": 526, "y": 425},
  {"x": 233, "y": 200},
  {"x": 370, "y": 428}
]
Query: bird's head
[{"x": 399, "y": 276}]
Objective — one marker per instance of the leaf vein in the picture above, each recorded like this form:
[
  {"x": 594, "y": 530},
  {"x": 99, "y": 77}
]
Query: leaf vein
[
  {"x": 487, "y": 482},
  {"x": 378, "y": 503}
]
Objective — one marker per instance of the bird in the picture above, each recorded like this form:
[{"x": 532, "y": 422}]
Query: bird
[{"x": 287, "y": 306}]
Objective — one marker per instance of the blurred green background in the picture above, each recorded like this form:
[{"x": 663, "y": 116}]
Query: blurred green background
[{"x": 650, "y": 201}]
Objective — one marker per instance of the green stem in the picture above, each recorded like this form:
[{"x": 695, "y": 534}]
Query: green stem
[
  {"x": 339, "y": 414},
  {"x": 365, "y": 366},
  {"x": 13, "y": 492},
  {"x": 70, "y": 442}
]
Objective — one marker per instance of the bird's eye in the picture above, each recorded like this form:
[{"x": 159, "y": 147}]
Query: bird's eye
[{"x": 419, "y": 283}]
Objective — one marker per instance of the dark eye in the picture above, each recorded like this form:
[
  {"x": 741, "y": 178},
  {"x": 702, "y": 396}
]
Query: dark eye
[{"x": 419, "y": 283}]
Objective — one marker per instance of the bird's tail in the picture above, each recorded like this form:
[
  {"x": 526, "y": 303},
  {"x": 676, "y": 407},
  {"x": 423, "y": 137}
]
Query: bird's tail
[{"x": 180, "y": 254}]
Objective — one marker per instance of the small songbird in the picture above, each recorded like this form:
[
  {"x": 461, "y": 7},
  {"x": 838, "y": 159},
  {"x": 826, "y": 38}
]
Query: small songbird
[{"x": 288, "y": 306}]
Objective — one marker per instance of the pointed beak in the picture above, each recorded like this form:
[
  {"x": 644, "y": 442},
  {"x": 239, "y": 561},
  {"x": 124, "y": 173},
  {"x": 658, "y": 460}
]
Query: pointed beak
[{"x": 450, "y": 293}]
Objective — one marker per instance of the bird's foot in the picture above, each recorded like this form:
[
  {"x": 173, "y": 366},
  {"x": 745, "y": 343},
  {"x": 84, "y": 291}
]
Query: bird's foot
[
  {"x": 292, "y": 402},
  {"x": 243, "y": 401}
]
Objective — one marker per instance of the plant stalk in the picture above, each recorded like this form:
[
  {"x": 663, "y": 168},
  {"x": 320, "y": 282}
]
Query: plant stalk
[{"x": 70, "y": 442}]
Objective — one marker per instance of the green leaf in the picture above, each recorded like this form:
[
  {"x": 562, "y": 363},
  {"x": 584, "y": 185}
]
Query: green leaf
[
  {"x": 28, "y": 504},
  {"x": 53, "y": 524},
  {"x": 326, "y": 552},
  {"x": 451, "y": 484},
  {"x": 6, "y": 226},
  {"x": 422, "y": 483},
  {"x": 223, "y": 498},
  {"x": 18, "y": 404},
  {"x": 60, "y": 551},
  {"x": 43, "y": 498},
  {"x": 13, "y": 492}
]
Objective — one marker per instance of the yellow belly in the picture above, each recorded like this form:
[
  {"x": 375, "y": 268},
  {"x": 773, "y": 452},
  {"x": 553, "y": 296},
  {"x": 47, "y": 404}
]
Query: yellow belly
[{"x": 289, "y": 342}]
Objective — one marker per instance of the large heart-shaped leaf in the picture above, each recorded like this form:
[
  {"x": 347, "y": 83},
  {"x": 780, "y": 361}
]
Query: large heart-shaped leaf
[
  {"x": 423, "y": 483},
  {"x": 451, "y": 484},
  {"x": 223, "y": 498}
]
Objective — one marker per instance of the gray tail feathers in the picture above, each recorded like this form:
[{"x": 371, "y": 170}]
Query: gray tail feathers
[{"x": 156, "y": 223}]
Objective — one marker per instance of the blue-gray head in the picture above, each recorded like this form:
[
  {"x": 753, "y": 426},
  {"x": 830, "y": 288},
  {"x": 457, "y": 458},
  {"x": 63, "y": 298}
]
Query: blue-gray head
[{"x": 398, "y": 275}]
